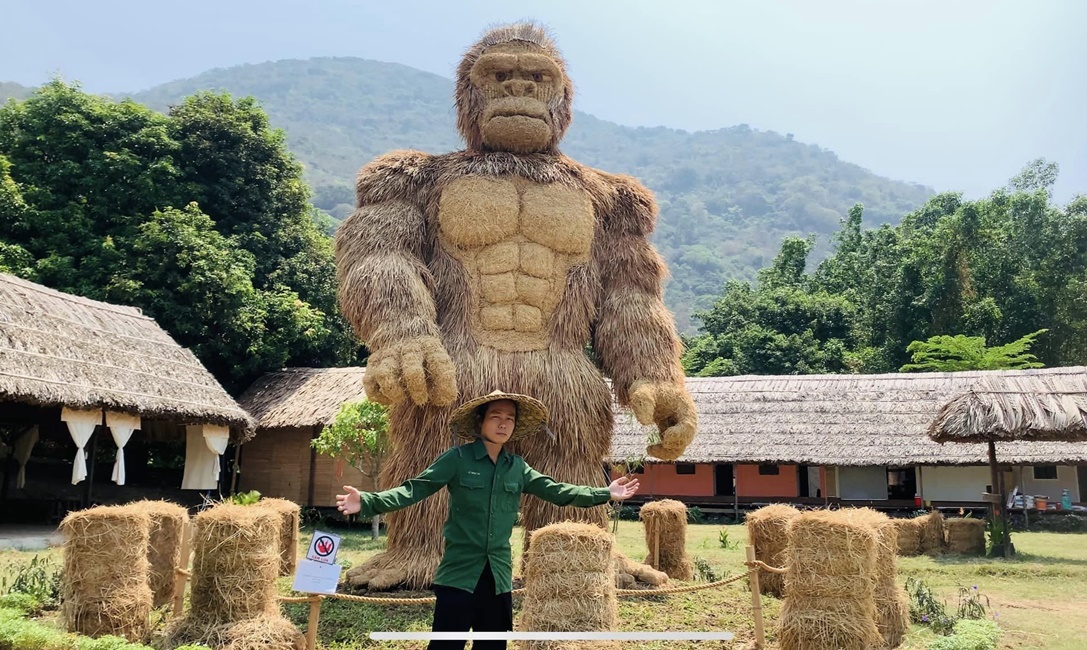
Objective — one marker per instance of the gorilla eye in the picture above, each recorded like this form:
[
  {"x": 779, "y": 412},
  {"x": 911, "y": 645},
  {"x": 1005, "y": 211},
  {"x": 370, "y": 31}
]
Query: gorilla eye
[
  {"x": 501, "y": 76},
  {"x": 537, "y": 76}
]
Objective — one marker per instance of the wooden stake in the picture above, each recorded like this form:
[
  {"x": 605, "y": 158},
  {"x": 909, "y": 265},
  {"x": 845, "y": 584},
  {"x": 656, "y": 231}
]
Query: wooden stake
[
  {"x": 657, "y": 547},
  {"x": 183, "y": 568},
  {"x": 314, "y": 619},
  {"x": 756, "y": 599}
]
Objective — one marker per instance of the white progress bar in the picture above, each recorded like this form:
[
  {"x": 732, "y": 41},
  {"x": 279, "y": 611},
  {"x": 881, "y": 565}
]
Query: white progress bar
[{"x": 552, "y": 636}]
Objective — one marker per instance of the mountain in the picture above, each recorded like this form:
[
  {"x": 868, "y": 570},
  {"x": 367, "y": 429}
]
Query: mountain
[
  {"x": 12, "y": 90},
  {"x": 727, "y": 197}
]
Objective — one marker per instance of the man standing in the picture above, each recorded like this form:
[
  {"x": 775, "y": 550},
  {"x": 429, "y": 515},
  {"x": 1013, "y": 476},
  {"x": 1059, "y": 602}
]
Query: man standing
[{"x": 475, "y": 577}]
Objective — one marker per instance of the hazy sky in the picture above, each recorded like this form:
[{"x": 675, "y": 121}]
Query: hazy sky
[{"x": 955, "y": 94}]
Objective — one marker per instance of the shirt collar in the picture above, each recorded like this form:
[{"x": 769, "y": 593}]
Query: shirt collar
[{"x": 480, "y": 451}]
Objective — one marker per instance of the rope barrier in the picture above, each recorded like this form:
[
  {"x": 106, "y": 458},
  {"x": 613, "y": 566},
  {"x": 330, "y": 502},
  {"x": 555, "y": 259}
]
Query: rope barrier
[
  {"x": 517, "y": 592},
  {"x": 766, "y": 567}
]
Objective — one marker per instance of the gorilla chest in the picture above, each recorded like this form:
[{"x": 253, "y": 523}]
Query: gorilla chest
[{"x": 517, "y": 241}]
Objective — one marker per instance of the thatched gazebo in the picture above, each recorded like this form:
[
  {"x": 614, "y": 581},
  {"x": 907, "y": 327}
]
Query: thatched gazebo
[
  {"x": 1035, "y": 406},
  {"x": 290, "y": 407},
  {"x": 72, "y": 369}
]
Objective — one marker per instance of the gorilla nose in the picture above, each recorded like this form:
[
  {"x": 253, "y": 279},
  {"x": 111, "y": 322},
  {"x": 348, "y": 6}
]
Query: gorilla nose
[{"x": 520, "y": 87}]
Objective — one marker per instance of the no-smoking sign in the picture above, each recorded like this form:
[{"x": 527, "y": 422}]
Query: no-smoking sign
[{"x": 323, "y": 547}]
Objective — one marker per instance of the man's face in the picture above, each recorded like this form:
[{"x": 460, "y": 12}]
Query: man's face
[{"x": 498, "y": 421}]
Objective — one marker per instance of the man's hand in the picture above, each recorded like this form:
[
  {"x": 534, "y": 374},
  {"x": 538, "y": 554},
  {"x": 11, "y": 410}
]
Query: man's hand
[
  {"x": 623, "y": 488},
  {"x": 418, "y": 368},
  {"x": 671, "y": 408},
  {"x": 349, "y": 503}
]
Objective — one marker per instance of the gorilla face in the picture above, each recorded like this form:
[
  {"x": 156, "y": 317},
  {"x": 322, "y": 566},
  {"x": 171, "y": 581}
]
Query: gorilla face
[{"x": 519, "y": 84}]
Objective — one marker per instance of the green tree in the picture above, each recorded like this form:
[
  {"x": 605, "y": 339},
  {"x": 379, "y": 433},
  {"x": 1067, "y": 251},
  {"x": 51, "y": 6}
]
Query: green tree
[
  {"x": 359, "y": 435},
  {"x": 951, "y": 353}
]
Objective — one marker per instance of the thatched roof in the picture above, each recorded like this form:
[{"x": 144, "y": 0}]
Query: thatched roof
[
  {"x": 302, "y": 397},
  {"x": 1045, "y": 407},
  {"x": 57, "y": 349},
  {"x": 841, "y": 420}
]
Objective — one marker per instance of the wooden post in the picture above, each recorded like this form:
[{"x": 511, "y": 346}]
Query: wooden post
[
  {"x": 756, "y": 599},
  {"x": 657, "y": 547},
  {"x": 183, "y": 568},
  {"x": 314, "y": 619}
]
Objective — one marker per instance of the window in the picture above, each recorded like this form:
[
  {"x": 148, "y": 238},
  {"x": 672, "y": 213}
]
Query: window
[
  {"x": 1044, "y": 472},
  {"x": 684, "y": 468},
  {"x": 769, "y": 470}
]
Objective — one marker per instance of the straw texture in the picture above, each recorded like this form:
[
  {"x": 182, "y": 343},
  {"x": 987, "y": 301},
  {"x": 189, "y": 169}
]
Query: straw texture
[{"x": 106, "y": 580}]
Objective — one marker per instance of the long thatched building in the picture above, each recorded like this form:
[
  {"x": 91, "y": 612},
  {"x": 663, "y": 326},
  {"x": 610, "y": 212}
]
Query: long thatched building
[
  {"x": 84, "y": 384},
  {"x": 862, "y": 438},
  {"x": 291, "y": 407}
]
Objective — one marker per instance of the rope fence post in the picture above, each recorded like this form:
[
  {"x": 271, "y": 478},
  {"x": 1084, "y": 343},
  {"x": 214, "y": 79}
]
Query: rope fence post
[
  {"x": 657, "y": 548},
  {"x": 756, "y": 599},
  {"x": 182, "y": 569},
  {"x": 314, "y": 619}
]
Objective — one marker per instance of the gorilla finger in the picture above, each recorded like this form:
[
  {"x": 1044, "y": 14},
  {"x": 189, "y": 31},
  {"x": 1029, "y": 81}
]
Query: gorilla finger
[
  {"x": 643, "y": 401},
  {"x": 411, "y": 368},
  {"x": 443, "y": 377},
  {"x": 388, "y": 378}
]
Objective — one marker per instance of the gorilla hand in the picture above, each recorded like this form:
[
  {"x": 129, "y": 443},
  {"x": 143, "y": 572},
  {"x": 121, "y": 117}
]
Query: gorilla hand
[
  {"x": 418, "y": 367},
  {"x": 671, "y": 408}
]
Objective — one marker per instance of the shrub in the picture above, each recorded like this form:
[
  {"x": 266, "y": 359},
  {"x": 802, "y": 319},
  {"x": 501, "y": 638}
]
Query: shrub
[
  {"x": 25, "y": 604},
  {"x": 39, "y": 579}
]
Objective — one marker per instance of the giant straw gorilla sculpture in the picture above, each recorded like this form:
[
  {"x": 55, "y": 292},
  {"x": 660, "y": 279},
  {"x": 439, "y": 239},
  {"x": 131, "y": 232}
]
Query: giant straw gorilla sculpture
[{"x": 491, "y": 268}]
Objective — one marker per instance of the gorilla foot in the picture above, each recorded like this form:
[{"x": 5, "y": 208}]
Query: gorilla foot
[{"x": 405, "y": 569}]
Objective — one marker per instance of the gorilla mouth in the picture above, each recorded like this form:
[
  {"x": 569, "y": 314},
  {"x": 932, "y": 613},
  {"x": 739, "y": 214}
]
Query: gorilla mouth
[{"x": 519, "y": 112}]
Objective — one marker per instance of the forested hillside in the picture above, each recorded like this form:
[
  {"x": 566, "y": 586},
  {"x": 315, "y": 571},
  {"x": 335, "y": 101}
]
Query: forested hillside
[{"x": 727, "y": 197}]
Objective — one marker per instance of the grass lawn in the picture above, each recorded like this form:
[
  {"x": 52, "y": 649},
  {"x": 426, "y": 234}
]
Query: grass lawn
[{"x": 1039, "y": 599}]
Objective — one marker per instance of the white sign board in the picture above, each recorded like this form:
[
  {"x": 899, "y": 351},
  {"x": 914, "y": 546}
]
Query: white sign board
[
  {"x": 323, "y": 547},
  {"x": 316, "y": 577}
]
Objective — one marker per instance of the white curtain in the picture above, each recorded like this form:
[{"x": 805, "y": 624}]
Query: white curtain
[
  {"x": 23, "y": 447},
  {"x": 121, "y": 425},
  {"x": 204, "y": 444},
  {"x": 81, "y": 424}
]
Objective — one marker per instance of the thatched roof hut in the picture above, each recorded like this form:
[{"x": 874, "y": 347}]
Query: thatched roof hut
[
  {"x": 301, "y": 397},
  {"x": 844, "y": 420},
  {"x": 1041, "y": 407},
  {"x": 291, "y": 406},
  {"x": 58, "y": 350}
]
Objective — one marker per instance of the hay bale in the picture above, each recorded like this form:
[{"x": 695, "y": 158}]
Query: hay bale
[
  {"x": 290, "y": 514},
  {"x": 106, "y": 577},
  {"x": 892, "y": 603},
  {"x": 965, "y": 535},
  {"x": 669, "y": 518},
  {"x": 909, "y": 536},
  {"x": 766, "y": 532},
  {"x": 164, "y": 548},
  {"x": 270, "y": 632},
  {"x": 569, "y": 585},
  {"x": 830, "y": 583},
  {"x": 235, "y": 564},
  {"x": 933, "y": 541}
]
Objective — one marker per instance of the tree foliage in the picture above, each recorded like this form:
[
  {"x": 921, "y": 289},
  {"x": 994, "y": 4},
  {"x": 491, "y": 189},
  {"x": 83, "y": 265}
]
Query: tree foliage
[
  {"x": 996, "y": 269},
  {"x": 199, "y": 217},
  {"x": 359, "y": 435}
]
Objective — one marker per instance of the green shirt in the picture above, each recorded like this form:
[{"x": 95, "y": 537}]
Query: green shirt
[{"x": 484, "y": 498}]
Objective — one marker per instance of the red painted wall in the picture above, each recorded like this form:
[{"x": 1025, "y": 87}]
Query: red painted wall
[
  {"x": 662, "y": 480},
  {"x": 749, "y": 483}
]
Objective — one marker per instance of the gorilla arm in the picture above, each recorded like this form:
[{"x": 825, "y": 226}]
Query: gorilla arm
[
  {"x": 383, "y": 285},
  {"x": 635, "y": 336}
]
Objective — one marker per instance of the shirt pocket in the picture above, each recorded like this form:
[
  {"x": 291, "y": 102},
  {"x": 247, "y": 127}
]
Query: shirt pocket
[{"x": 509, "y": 496}]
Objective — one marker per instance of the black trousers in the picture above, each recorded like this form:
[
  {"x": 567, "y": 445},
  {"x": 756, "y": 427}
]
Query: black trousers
[{"x": 457, "y": 610}]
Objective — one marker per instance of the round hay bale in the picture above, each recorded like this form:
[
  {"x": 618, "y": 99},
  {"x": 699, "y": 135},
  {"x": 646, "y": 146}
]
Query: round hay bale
[
  {"x": 933, "y": 541},
  {"x": 668, "y": 517},
  {"x": 290, "y": 514},
  {"x": 892, "y": 604},
  {"x": 909, "y": 536},
  {"x": 830, "y": 584},
  {"x": 965, "y": 535},
  {"x": 766, "y": 532},
  {"x": 235, "y": 564},
  {"x": 569, "y": 585},
  {"x": 106, "y": 582},
  {"x": 164, "y": 547}
]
